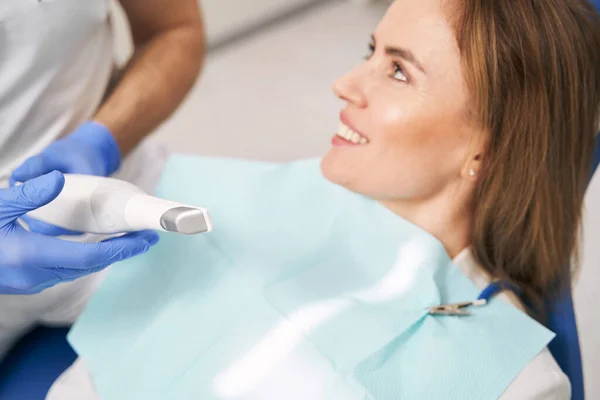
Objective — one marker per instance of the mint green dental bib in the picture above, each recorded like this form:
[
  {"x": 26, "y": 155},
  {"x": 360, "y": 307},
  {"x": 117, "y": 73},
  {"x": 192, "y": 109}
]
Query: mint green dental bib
[{"x": 303, "y": 291}]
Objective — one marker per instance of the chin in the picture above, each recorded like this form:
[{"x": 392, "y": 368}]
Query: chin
[
  {"x": 328, "y": 169},
  {"x": 336, "y": 173}
]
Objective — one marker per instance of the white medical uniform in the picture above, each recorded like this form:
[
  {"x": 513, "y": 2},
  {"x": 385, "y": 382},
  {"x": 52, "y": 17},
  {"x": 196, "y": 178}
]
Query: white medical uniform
[
  {"x": 542, "y": 378},
  {"x": 56, "y": 58}
]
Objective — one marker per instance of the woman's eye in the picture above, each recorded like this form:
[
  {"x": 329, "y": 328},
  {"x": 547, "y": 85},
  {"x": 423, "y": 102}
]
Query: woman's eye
[
  {"x": 399, "y": 73},
  {"x": 371, "y": 51}
]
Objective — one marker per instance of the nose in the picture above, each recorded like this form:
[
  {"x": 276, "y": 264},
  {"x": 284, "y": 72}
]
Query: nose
[{"x": 349, "y": 88}]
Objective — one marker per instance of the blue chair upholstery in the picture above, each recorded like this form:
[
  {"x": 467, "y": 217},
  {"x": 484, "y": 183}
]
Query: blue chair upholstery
[
  {"x": 565, "y": 346},
  {"x": 34, "y": 364}
]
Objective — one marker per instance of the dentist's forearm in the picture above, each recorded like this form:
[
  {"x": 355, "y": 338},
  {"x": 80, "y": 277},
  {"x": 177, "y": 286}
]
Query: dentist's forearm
[{"x": 153, "y": 85}]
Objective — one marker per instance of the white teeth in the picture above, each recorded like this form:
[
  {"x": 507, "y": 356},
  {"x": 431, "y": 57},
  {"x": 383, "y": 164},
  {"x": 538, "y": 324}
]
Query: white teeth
[{"x": 345, "y": 132}]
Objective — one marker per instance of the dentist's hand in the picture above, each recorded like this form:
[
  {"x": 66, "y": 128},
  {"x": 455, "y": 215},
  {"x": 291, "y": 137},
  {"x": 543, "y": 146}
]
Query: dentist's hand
[
  {"x": 31, "y": 262},
  {"x": 89, "y": 150}
]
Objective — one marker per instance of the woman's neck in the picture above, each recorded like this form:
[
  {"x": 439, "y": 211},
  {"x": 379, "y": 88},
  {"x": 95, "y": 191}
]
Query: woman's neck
[{"x": 447, "y": 220}]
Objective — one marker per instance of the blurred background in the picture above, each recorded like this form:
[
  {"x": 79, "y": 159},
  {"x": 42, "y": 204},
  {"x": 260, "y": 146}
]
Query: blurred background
[{"x": 265, "y": 93}]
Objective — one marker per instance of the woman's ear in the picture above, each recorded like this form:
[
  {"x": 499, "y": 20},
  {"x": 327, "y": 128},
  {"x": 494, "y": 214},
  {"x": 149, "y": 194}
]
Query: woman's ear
[
  {"x": 474, "y": 161},
  {"x": 477, "y": 149},
  {"x": 472, "y": 168}
]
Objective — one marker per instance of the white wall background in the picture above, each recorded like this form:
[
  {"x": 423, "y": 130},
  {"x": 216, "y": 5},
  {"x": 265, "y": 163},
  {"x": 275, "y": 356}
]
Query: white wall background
[{"x": 223, "y": 18}]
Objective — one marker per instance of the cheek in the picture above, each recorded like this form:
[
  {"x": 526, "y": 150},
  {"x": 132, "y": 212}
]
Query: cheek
[
  {"x": 419, "y": 132},
  {"x": 416, "y": 151},
  {"x": 403, "y": 132}
]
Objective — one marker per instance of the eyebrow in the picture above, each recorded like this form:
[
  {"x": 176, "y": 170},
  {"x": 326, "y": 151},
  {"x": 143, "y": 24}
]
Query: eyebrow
[{"x": 403, "y": 53}]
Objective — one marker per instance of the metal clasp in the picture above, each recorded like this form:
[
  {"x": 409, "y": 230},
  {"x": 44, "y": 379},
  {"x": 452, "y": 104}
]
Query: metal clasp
[{"x": 456, "y": 309}]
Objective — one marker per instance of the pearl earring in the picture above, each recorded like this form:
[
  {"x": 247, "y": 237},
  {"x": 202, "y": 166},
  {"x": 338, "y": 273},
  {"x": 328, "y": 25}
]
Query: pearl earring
[{"x": 472, "y": 172}]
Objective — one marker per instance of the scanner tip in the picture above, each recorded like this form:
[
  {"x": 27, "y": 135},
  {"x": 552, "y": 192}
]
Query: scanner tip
[{"x": 186, "y": 220}]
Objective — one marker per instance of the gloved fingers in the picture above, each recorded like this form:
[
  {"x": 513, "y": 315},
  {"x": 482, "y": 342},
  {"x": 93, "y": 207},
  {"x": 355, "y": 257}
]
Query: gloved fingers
[
  {"x": 24, "y": 268},
  {"x": 62, "y": 275},
  {"x": 32, "y": 168},
  {"x": 121, "y": 248},
  {"x": 18, "y": 280},
  {"x": 30, "y": 262},
  {"x": 27, "y": 281},
  {"x": 38, "y": 226},
  {"x": 18, "y": 200},
  {"x": 54, "y": 253},
  {"x": 66, "y": 159}
]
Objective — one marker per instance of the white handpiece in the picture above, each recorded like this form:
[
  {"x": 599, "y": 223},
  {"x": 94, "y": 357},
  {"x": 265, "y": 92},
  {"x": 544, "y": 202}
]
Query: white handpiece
[{"x": 102, "y": 205}]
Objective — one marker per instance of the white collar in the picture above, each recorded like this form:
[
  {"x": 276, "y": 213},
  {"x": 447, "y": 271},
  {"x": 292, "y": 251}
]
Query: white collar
[{"x": 468, "y": 266}]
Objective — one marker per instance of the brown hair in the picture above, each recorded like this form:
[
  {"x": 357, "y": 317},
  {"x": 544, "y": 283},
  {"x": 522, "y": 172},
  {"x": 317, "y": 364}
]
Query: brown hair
[{"x": 533, "y": 70}]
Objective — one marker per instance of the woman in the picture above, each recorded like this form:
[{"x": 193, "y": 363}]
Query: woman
[{"x": 474, "y": 120}]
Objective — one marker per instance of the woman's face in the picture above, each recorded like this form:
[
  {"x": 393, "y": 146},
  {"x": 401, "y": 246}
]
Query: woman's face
[{"x": 408, "y": 103}]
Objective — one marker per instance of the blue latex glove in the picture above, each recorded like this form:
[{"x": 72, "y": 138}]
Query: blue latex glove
[
  {"x": 31, "y": 262},
  {"x": 89, "y": 150}
]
